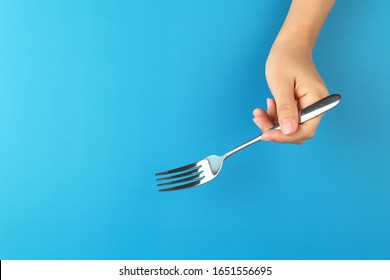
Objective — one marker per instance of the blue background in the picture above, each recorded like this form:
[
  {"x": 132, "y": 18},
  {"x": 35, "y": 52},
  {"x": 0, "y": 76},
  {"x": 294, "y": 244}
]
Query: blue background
[{"x": 98, "y": 96}]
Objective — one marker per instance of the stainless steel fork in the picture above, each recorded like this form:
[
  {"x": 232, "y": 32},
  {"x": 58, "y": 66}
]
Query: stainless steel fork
[{"x": 207, "y": 169}]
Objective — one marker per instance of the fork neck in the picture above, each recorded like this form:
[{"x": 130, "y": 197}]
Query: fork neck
[{"x": 243, "y": 146}]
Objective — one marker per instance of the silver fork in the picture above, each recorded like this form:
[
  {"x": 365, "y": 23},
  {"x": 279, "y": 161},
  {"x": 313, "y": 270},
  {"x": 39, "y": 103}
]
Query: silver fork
[{"x": 205, "y": 170}]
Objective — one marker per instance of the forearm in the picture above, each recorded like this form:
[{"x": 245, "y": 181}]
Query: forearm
[{"x": 305, "y": 20}]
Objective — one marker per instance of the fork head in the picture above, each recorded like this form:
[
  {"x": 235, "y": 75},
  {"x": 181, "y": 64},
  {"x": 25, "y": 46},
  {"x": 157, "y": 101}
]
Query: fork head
[{"x": 190, "y": 175}]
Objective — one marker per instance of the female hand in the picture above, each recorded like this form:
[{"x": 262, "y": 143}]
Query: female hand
[
  {"x": 291, "y": 74},
  {"x": 295, "y": 84}
]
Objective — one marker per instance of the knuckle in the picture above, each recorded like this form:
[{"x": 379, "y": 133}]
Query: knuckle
[
  {"x": 310, "y": 135},
  {"x": 286, "y": 108},
  {"x": 308, "y": 131}
]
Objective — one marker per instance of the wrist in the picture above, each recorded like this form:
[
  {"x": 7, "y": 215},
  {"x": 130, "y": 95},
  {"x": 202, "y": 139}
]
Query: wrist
[{"x": 296, "y": 40}]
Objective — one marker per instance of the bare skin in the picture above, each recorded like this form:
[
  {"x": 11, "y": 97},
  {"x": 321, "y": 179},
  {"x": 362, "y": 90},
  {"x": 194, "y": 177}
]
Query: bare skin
[{"x": 291, "y": 74}]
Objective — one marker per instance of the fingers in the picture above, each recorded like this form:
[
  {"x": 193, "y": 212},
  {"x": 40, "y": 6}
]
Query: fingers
[
  {"x": 262, "y": 119},
  {"x": 271, "y": 110}
]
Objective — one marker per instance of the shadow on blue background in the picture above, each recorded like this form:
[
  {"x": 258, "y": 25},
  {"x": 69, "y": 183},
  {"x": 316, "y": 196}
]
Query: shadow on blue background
[{"x": 97, "y": 96}]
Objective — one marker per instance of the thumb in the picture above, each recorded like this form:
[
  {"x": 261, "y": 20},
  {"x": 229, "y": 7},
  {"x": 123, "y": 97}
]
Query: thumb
[{"x": 287, "y": 111}]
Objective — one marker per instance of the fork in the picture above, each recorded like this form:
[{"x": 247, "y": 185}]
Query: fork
[{"x": 205, "y": 170}]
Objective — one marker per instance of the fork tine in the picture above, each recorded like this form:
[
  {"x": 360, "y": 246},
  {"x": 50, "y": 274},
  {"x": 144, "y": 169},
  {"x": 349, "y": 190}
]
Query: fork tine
[
  {"x": 181, "y": 187},
  {"x": 183, "y": 168},
  {"x": 181, "y": 174},
  {"x": 187, "y": 179}
]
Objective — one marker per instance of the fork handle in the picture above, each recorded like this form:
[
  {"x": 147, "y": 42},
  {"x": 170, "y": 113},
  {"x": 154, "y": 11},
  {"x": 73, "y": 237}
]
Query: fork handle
[{"x": 305, "y": 114}]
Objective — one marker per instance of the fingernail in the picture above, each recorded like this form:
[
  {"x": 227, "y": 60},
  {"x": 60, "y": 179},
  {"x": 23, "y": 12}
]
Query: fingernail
[
  {"x": 268, "y": 102},
  {"x": 287, "y": 126},
  {"x": 256, "y": 112}
]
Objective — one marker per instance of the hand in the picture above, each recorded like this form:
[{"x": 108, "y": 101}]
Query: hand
[{"x": 295, "y": 84}]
